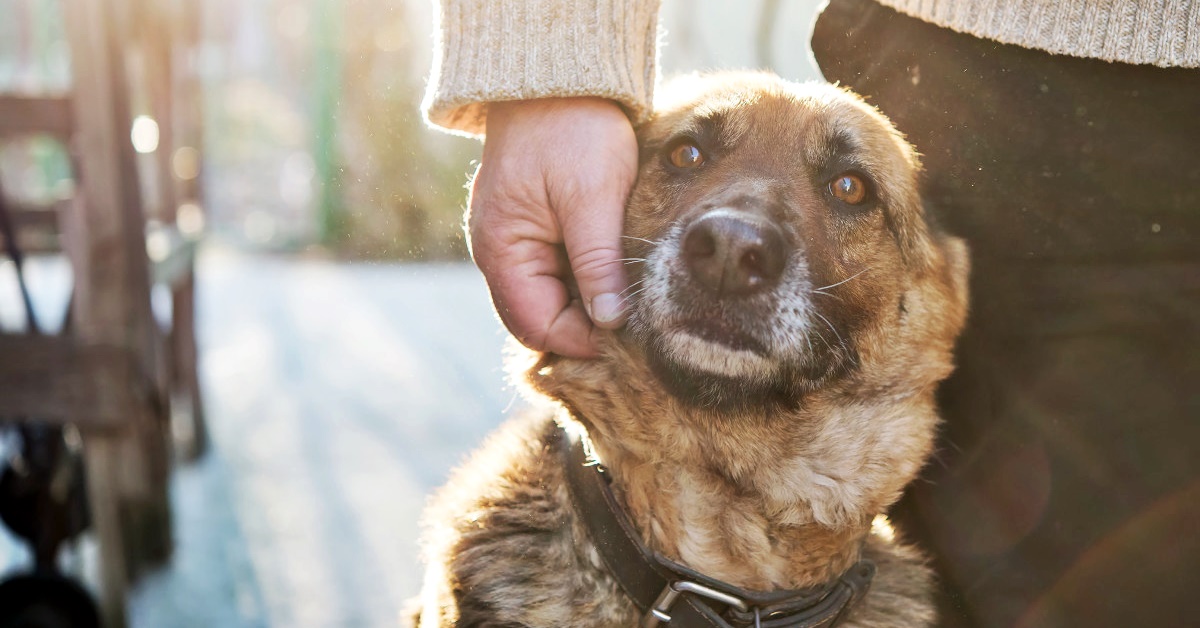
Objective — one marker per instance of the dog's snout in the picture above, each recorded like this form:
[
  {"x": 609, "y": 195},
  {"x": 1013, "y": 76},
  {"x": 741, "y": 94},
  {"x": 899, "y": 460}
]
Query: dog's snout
[{"x": 734, "y": 255}]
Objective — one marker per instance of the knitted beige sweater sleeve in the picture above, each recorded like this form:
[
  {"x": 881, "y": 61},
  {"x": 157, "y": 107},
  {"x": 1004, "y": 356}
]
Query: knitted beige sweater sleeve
[
  {"x": 1165, "y": 33},
  {"x": 500, "y": 50}
]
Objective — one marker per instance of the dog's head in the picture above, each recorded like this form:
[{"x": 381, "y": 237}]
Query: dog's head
[
  {"x": 780, "y": 256},
  {"x": 781, "y": 246}
]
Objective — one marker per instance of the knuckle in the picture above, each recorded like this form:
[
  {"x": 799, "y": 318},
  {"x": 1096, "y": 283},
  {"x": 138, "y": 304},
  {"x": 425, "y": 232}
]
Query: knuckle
[{"x": 594, "y": 262}]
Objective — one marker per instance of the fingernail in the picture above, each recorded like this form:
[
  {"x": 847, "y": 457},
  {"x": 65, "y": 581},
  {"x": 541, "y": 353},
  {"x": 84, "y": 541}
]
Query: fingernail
[{"x": 606, "y": 308}]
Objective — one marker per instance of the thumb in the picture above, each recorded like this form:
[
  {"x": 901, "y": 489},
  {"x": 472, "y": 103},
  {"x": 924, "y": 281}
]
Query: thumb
[{"x": 593, "y": 241}]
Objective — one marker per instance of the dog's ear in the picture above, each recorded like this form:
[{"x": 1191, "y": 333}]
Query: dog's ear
[
  {"x": 950, "y": 273},
  {"x": 957, "y": 265},
  {"x": 929, "y": 248}
]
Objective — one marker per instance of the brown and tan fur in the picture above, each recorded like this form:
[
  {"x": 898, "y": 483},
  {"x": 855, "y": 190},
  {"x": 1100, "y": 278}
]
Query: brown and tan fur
[{"x": 766, "y": 476}]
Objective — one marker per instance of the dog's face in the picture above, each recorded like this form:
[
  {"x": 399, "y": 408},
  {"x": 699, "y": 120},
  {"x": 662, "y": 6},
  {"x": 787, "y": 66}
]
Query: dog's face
[{"x": 781, "y": 240}]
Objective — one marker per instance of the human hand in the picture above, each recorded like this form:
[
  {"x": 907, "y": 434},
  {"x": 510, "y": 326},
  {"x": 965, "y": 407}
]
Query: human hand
[{"x": 546, "y": 211}]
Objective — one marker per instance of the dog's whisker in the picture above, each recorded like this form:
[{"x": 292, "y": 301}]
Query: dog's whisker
[
  {"x": 633, "y": 260},
  {"x": 626, "y": 297},
  {"x": 831, "y": 327},
  {"x": 834, "y": 285},
  {"x": 628, "y": 237},
  {"x": 629, "y": 297},
  {"x": 822, "y": 338},
  {"x": 632, "y": 286},
  {"x": 841, "y": 341},
  {"x": 832, "y": 296}
]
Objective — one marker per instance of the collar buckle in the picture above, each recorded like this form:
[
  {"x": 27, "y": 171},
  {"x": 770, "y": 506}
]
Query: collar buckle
[{"x": 659, "y": 612}]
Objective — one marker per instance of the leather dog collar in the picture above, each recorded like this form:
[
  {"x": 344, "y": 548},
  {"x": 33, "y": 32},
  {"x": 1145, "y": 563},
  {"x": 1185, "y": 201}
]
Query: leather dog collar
[{"x": 669, "y": 593}]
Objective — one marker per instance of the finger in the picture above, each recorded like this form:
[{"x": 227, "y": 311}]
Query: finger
[
  {"x": 533, "y": 301},
  {"x": 592, "y": 224},
  {"x": 594, "y": 251}
]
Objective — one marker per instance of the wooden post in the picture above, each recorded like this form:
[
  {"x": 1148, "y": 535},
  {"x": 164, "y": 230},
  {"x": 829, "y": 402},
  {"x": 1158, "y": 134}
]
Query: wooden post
[
  {"x": 182, "y": 23},
  {"x": 102, "y": 455},
  {"x": 184, "y": 355},
  {"x": 112, "y": 276}
]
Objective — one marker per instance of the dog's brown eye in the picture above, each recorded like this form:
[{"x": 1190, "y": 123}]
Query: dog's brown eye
[
  {"x": 686, "y": 156},
  {"x": 849, "y": 188}
]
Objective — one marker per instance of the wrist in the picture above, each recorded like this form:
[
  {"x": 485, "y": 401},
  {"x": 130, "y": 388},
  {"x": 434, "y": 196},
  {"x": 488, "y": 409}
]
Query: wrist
[{"x": 504, "y": 110}]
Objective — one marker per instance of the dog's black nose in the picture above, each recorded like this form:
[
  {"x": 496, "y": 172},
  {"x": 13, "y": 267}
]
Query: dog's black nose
[{"x": 734, "y": 255}]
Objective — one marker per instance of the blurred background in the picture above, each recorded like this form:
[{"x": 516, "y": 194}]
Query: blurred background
[{"x": 348, "y": 355}]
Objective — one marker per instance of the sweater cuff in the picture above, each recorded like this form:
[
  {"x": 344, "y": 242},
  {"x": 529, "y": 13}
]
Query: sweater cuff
[{"x": 500, "y": 50}]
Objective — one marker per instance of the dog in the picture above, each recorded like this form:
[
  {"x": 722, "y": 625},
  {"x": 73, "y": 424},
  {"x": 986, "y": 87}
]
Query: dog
[{"x": 730, "y": 455}]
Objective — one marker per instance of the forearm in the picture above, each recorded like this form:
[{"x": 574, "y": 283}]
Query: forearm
[{"x": 503, "y": 50}]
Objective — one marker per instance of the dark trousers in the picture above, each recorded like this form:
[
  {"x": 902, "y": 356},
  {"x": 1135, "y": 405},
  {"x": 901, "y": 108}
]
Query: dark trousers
[{"x": 1065, "y": 490}]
